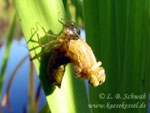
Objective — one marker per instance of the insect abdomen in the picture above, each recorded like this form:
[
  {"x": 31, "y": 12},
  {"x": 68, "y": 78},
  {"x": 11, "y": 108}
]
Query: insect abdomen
[{"x": 56, "y": 68}]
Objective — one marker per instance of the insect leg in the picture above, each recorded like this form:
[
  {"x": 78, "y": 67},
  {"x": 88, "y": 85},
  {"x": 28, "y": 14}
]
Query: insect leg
[
  {"x": 49, "y": 50},
  {"x": 44, "y": 53},
  {"x": 47, "y": 34},
  {"x": 69, "y": 21},
  {"x": 66, "y": 20},
  {"x": 49, "y": 43},
  {"x": 33, "y": 32}
]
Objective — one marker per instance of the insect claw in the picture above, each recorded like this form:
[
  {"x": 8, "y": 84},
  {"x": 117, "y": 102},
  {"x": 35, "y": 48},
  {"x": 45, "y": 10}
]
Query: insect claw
[
  {"x": 38, "y": 23},
  {"x": 33, "y": 31}
]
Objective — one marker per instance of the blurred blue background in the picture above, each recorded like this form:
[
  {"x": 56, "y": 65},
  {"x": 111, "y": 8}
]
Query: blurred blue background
[{"x": 19, "y": 87}]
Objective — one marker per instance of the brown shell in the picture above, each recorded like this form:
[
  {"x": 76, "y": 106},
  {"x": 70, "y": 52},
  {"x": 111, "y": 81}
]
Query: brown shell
[
  {"x": 70, "y": 48},
  {"x": 83, "y": 61},
  {"x": 81, "y": 56},
  {"x": 56, "y": 67}
]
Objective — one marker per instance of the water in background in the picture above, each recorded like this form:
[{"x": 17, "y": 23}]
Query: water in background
[{"x": 19, "y": 87}]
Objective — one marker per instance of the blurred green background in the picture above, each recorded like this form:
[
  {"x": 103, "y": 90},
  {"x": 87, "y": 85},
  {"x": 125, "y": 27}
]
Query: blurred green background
[{"x": 117, "y": 31}]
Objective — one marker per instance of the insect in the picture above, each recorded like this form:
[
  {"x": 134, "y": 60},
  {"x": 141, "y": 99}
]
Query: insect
[{"x": 70, "y": 48}]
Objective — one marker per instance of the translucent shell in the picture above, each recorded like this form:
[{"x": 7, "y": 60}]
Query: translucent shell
[
  {"x": 79, "y": 53},
  {"x": 69, "y": 48},
  {"x": 84, "y": 62}
]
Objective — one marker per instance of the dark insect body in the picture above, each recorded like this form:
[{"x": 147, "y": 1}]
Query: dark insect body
[{"x": 71, "y": 49}]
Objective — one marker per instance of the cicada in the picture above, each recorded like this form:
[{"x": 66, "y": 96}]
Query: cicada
[{"x": 70, "y": 48}]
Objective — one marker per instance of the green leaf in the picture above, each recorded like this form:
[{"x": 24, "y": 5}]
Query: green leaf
[
  {"x": 118, "y": 34},
  {"x": 71, "y": 97}
]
